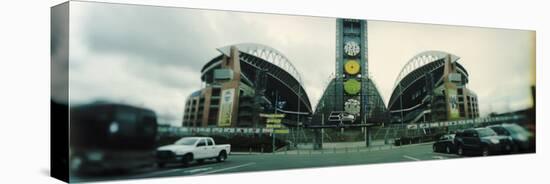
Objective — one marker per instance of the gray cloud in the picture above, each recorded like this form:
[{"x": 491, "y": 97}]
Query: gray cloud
[
  {"x": 59, "y": 53},
  {"x": 163, "y": 36},
  {"x": 152, "y": 56}
]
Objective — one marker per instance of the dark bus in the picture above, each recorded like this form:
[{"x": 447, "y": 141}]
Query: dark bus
[{"x": 108, "y": 137}]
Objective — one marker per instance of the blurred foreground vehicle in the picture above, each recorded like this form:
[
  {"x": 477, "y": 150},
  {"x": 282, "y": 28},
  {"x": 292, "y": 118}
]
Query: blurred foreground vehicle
[
  {"x": 111, "y": 137},
  {"x": 445, "y": 144},
  {"x": 523, "y": 140},
  {"x": 483, "y": 141},
  {"x": 187, "y": 149}
]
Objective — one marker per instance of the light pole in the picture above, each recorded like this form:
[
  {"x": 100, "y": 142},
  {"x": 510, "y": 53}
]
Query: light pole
[
  {"x": 401, "y": 103},
  {"x": 298, "y": 118},
  {"x": 275, "y": 111}
]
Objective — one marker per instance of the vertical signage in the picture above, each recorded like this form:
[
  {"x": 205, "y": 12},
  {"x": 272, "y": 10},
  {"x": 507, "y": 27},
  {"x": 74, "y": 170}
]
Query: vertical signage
[
  {"x": 452, "y": 100},
  {"x": 351, "y": 65},
  {"x": 226, "y": 107}
]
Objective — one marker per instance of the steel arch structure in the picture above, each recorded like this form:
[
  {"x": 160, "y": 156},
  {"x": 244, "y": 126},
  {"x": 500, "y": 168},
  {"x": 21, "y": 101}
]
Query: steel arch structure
[
  {"x": 420, "y": 60},
  {"x": 267, "y": 53},
  {"x": 376, "y": 106},
  {"x": 262, "y": 57},
  {"x": 417, "y": 67}
]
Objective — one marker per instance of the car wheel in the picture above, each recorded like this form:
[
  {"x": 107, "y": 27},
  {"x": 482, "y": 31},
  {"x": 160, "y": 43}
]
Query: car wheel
[
  {"x": 222, "y": 156},
  {"x": 460, "y": 150},
  {"x": 515, "y": 148},
  {"x": 187, "y": 159},
  {"x": 161, "y": 164},
  {"x": 447, "y": 149},
  {"x": 485, "y": 151}
]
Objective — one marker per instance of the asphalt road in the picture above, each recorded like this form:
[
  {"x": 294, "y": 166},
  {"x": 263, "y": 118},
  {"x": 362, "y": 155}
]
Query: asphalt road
[{"x": 265, "y": 162}]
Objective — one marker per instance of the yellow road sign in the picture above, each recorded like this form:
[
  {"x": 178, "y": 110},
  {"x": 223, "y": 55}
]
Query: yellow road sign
[
  {"x": 281, "y": 131},
  {"x": 274, "y": 126},
  {"x": 275, "y": 121},
  {"x": 272, "y": 115}
]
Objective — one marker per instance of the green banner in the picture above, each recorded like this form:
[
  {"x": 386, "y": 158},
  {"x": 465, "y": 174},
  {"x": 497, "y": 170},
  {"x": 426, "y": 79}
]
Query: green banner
[
  {"x": 452, "y": 100},
  {"x": 226, "y": 107}
]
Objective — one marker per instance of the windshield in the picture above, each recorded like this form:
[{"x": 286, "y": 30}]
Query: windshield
[
  {"x": 187, "y": 141},
  {"x": 113, "y": 127},
  {"x": 516, "y": 129},
  {"x": 485, "y": 132},
  {"x": 500, "y": 130}
]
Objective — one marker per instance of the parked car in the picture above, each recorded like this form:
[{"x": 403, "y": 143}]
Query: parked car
[
  {"x": 334, "y": 116},
  {"x": 523, "y": 140},
  {"x": 341, "y": 116},
  {"x": 347, "y": 117},
  {"x": 445, "y": 144},
  {"x": 188, "y": 149},
  {"x": 483, "y": 141},
  {"x": 111, "y": 137}
]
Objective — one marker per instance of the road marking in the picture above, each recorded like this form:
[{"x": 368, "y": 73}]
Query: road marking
[
  {"x": 225, "y": 169},
  {"x": 439, "y": 157},
  {"x": 412, "y": 158},
  {"x": 198, "y": 170},
  {"x": 157, "y": 173},
  {"x": 169, "y": 171}
]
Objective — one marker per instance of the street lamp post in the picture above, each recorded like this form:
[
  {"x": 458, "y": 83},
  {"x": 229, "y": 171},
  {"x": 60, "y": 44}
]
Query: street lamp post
[{"x": 298, "y": 118}]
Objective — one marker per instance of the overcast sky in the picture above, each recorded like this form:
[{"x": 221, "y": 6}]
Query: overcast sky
[{"x": 152, "y": 56}]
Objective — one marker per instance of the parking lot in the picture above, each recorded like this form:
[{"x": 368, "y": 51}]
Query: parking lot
[{"x": 249, "y": 162}]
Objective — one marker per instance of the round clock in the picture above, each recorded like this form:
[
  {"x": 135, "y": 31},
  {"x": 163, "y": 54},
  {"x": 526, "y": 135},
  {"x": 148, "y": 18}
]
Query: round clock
[
  {"x": 352, "y": 67},
  {"x": 351, "y": 48},
  {"x": 352, "y": 106},
  {"x": 352, "y": 86}
]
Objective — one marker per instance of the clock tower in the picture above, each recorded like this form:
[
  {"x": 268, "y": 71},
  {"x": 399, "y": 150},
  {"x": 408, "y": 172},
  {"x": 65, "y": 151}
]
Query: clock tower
[{"x": 351, "y": 67}]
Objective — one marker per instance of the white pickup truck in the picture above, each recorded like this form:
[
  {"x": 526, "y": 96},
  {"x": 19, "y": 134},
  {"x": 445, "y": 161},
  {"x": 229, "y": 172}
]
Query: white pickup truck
[{"x": 187, "y": 149}]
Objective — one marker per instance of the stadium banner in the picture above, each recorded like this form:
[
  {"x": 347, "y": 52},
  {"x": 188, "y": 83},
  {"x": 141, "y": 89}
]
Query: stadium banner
[
  {"x": 226, "y": 107},
  {"x": 452, "y": 100}
]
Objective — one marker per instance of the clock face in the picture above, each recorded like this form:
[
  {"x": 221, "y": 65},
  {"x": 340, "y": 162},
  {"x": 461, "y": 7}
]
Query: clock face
[
  {"x": 352, "y": 106},
  {"x": 351, "y": 48},
  {"x": 352, "y": 67},
  {"x": 352, "y": 86}
]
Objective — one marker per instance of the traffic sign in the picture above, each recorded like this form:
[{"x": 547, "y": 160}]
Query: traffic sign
[
  {"x": 272, "y": 115},
  {"x": 274, "y": 126},
  {"x": 274, "y": 121},
  {"x": 281, "y": 131}
]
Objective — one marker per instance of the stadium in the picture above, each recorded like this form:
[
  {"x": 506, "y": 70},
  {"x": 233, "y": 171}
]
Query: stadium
[
  {"x": 376, "y": 111},
  {"x": 244, "y": 81},
  {"x": 432, "y": 86}
]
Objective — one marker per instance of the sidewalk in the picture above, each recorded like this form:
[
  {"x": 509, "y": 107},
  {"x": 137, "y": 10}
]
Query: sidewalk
[{"x": 337, "y": 148}]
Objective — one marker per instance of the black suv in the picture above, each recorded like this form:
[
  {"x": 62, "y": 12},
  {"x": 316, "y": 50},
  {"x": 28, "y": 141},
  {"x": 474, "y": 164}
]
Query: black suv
[
  {"x": 523, "y": 140},
  {"x": 445, "y": 144},
  {"x": 483, "y": 141}
]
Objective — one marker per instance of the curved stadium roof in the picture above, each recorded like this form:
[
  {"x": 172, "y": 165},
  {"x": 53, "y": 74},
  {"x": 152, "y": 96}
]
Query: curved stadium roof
[
  {"x": 420, "y": 64},
  {"x": 264, "y": 57},
  {"x": 420, "y": 60},
  {"x": 267, "y": 53}
]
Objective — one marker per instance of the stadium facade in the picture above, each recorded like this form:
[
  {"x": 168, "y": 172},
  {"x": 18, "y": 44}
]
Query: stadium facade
[
  {"x": 250, "y": 79},
  {"x": 351, "y": 96},
  {"x": 375, "y": 110},
  {"x": 244, "y": 81},
  {"x": 432, "y": 86}
]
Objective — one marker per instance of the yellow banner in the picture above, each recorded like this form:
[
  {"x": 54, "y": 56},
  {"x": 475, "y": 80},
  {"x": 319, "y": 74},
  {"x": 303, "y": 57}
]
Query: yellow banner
[
  {"x": 281, "y": 131},
  {"x": 272, "y": 115},
  {"x": 226, "y": 107},
  {"x": 275, "y": 121},
  {"x": 274, "y": 126}
]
